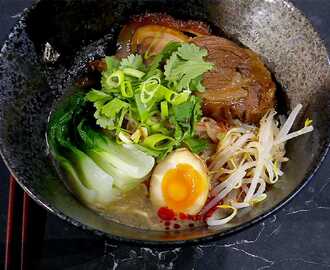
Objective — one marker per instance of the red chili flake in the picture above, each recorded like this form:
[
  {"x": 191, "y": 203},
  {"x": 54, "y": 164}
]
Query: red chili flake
[
  {"x": 182, "y": 216},
  {"x": 191, "y": 225},
  {"x": 166, "y": 214},
  {"x": 167, "y": 228},
  {"x": 167, "y": 223},
  {"x": 176, "y": 226},
  {"x": 196, "y": 217}
]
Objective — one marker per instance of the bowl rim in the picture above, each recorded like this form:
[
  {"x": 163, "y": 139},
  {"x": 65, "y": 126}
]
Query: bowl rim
[{"x": 170, "y": 243}]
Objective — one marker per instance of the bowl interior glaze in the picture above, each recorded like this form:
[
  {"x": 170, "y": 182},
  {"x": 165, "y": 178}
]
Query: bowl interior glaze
[{"x": 83, "y": 30}]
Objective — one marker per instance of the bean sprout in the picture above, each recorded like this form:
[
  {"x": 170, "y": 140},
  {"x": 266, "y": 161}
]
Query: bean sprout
[{"x": 247, "y": 159}]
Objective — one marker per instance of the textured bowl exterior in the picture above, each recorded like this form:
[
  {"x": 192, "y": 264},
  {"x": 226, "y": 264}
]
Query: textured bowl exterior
[{"x": 80, "y": 31}]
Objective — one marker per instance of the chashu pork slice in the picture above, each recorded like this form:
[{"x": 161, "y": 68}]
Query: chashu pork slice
[{"x": 239, "y": 86}]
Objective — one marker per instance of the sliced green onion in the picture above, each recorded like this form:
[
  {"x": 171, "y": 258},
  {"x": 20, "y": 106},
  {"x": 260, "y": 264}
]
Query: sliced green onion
[
  {"x": 155, "y": 127},
  {"x": 148, "y": 94},
  {"x": 168, "y": 94},
  {"x": 158, "y": 142},
  {"x": 150, "y": 122},
  {"x": 113, "y": 107},
  {"x": 133, "y": 72},
  {"x": 164, "y": 110},
  {"x": 126, "y": 89},
  {"x": 96, "y": 95},
  {"x": 149, "y": 89},
  {"x": 115, "y": 79},
  {"x": 121, "y": 118},
  {"x": 181, "y": 98},
  {"x": 141, "y": 108},
  {"x": 159, "y": 128},
  {"x": 147, "y": 150},
  {"x": 154, "y": 113}
]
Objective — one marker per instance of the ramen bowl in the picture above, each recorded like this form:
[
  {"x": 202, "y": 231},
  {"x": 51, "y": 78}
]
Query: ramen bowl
[{"x": 52, "y": 42}]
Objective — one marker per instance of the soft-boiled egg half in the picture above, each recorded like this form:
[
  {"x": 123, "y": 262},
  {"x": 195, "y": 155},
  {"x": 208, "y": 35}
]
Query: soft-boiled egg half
[{"x": 180, "y": 183}]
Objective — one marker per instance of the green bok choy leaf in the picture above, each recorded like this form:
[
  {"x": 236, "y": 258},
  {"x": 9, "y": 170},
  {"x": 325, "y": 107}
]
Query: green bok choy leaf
[{"x": 96, "y": 169}]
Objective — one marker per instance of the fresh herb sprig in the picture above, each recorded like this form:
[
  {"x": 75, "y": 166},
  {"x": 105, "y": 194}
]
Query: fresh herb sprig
[{"x": 156, "y": 98}]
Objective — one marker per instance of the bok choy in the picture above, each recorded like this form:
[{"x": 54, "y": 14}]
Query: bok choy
[{"x": 97, "y": 169}]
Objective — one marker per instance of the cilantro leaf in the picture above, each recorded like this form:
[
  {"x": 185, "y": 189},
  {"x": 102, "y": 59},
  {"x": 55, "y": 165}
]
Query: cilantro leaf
[
  {"x": 192, "y": 52},
  {"x": 189, "y": 71},
  {"x": 171, "y": 64},
  {"x": 185, "y": 116},
  {"x": 169, "y": 49},
  {"x": 110, "y": 114},
  {"x": 196, "y": 145},
  {"x": 113, "y": 107},
  {"x": 134, "y": 61},
  {"x": 102, "y": 121},
  {"x": 184, "y": 111},
  {"x": 112, "y": 63},
  {"x": 188, "y": 111},
  {"x": 184, "y": 66},
  {"x": 197, "y": 113},
  {"x": 196, "y": 84}
]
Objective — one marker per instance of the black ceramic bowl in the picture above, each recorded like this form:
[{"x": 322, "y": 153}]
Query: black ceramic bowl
[{"x": 82, "y": 30}]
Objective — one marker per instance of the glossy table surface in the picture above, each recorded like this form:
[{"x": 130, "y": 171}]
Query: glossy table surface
[{"x": 296, "y": 237}]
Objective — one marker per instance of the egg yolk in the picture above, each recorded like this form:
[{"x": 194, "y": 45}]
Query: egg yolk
[{"x": 182, "y": 186}]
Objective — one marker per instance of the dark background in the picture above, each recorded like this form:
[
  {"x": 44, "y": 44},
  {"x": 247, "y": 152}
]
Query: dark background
[{"x": 296, "y": 237}]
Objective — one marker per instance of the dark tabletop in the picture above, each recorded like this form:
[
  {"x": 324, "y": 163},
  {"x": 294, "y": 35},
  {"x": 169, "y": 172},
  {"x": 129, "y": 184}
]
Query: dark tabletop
[{"x": 296, "y": 237}]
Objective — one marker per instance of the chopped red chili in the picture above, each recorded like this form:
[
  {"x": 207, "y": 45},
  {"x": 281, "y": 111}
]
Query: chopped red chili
[
  {"x": 182, "y": 216},
  {"x": 165, "y": 214}
]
